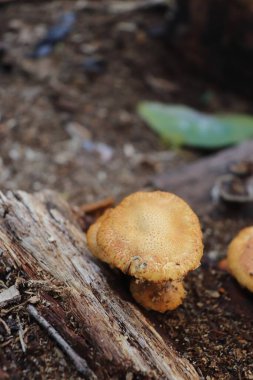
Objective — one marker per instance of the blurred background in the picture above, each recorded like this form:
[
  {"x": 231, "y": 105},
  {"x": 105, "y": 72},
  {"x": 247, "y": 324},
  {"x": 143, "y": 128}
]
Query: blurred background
[{"x": 73, "y": 74}]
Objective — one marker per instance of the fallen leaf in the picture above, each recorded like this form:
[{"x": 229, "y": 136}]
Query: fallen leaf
[{"x": 180, "y": 125}]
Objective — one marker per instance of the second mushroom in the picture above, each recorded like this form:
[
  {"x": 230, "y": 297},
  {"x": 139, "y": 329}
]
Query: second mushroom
[{"x": 156, "y": 238}]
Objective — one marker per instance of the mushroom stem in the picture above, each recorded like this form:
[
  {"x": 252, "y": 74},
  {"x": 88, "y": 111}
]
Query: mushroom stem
[{"x": 161, "y": 296}]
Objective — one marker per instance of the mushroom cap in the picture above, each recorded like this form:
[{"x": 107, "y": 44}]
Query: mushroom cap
[
  {"x": 160, "y": 296},
  {"x": 92, "y": 233},
  {"x": 240, "y": 258},
  {"x": 153, "y": 236}
]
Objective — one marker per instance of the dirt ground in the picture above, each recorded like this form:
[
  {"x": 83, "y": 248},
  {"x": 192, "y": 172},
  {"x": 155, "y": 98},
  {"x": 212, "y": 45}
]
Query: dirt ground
[{"x": 77, "y": 132}]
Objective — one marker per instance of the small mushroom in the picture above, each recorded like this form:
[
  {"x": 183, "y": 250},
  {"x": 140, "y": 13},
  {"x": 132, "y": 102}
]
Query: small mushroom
[
  {"x": 235, "y": 186},
  {"x": 240, "y": 258},
  {"x": 154, "y": 237},
  {"x": 241, "y": 168}
]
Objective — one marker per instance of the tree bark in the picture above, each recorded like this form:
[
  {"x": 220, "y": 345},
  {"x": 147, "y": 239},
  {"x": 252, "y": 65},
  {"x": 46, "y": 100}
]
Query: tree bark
[
  {"x": 40, "y": 235},
  {"x": 194, "y": 182}
]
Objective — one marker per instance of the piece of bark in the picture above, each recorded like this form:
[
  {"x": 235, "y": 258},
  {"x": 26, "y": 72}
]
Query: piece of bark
[
  {"x": 9, "y": 295},
  {"x": 194, "y": 182},
  {"x": 40, "y": 234}
]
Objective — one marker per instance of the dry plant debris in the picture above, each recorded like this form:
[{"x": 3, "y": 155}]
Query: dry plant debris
[{"x": 21, "y": 340}]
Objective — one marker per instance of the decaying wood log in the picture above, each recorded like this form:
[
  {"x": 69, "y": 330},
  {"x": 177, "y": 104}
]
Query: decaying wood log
[
  {"x": 39, "y": 234},
  {"x": 194, "y": 182}
]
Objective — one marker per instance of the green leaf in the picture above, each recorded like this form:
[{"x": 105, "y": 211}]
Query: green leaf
[{"x": 181, "y": 125}]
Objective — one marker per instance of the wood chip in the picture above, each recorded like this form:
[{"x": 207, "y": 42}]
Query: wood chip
[{"x": 9, "y": 295}]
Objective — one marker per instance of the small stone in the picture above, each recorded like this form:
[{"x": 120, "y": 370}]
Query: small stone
[
  {"x": 213, "y": 293},
  {"x": 51, "y": 239},
  {"x": 213, "y": 255}
]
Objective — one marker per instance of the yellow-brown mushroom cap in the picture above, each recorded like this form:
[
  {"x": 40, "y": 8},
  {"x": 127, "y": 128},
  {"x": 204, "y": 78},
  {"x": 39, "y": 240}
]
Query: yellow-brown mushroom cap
[
  {"x": 240, "y": 258},
  {"x": 92, "y": 233},
  {"x": 161, "y": 296},
  {"x": 153, "y": 236}
]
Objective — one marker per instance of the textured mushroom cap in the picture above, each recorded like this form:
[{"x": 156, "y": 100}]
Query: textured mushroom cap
[
  {"x": 92, "y": 233},
  {"x": 153, "y": 236},
  {"x": 240, "y": 258},
  {"x": 160, "y": 296}
]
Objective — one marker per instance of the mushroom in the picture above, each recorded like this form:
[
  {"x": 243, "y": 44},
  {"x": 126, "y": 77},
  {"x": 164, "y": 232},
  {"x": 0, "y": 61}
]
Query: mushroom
[
  {"x": 240, "y": 258},
  {"x": 156, "y": 238}
]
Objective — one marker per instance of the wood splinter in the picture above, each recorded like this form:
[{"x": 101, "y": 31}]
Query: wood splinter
[{"x": 78, "y": 362}]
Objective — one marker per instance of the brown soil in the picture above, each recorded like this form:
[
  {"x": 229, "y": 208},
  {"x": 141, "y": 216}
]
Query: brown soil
[{"x": 50, "y": 108}]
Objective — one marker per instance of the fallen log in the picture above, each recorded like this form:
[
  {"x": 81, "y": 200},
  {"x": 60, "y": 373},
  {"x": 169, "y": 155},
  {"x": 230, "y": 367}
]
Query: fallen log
[
  {"x": 194, "y": 182},
  {"x": 40, "y": 235}
]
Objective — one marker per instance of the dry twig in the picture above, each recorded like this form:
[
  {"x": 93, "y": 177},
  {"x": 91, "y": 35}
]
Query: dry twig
[
  {"x": 96, "y": 206},
  {"x": 21, "y": 335},
  {"x": 7, "y": 329},
  {"x": 79, "y": 362}
]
